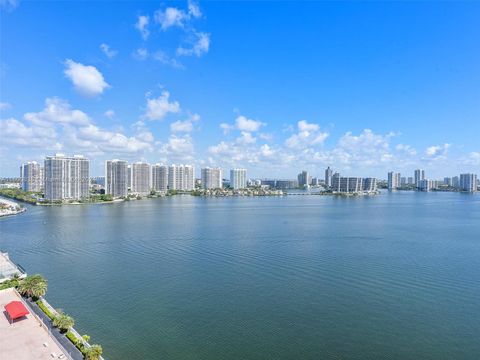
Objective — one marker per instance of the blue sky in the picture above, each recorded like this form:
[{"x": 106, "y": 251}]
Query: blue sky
[{"x": 275, "y": 87}]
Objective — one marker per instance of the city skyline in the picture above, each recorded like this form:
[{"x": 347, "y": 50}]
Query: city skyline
[{"x": 408, "y": 102}]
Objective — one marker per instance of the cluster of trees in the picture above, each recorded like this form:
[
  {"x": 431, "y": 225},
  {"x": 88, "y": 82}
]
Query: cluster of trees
[
  {"x": 35, "y": 287},
  {"x": 19, "y": 194}
]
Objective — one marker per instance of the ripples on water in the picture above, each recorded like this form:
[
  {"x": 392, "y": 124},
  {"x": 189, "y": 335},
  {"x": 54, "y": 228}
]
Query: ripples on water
[{"x": 302, "y": 277}]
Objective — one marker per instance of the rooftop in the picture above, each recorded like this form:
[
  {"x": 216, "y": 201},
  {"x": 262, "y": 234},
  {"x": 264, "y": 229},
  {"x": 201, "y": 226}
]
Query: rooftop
[{"x": 25, "y": 338}]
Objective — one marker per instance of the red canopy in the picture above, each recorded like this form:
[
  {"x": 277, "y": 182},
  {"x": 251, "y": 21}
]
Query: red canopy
[{"x": 16, "y": 309}]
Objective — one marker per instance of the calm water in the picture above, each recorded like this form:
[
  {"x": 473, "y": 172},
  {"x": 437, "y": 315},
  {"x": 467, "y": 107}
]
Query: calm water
[{"x": 302, "y": 277}]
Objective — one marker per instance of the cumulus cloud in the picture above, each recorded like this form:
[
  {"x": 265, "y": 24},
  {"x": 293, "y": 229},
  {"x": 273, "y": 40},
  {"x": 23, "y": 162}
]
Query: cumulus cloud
[
  {"x": 177, "y": 149},
  {"x": 437, "y": 151},
  {"x": 200, "y": 44},
  {"x": 86, "y": 79},
  {"x": 159, "y": 107},
  {"x": 171, "y": 17},
  {"x": 309, "y": 134},
  {"x": 194, "y": 9},
  {"x": 243, "y": 123},
  {"x": 142, "y": 26},
  {"x": 110, "y": 53},
  {"x": 16, "y": 132},
  {"x": 57, "y": 111}
]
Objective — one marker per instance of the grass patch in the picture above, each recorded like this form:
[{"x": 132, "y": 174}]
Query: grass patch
[{"x": 47, "y": 312}]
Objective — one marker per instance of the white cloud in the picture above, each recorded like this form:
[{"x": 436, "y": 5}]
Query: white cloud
[
  {"x": 171, "y": 17},
  {"x": 194, "y": 9},
  {"x": 17, "y": 133},
  {"x": 242, "y": 123},
  {"x": 309, "y": 134},
  {"x": 140, "y": 54},
  {"x": 406, "y": 149},
  {"x": 437, "y": 151},
  {"x": 142, "y": 26},
  {"x": 110, "y": 53},
  {"x": 57, "y": 111},
  {"x": 86, "y": 79},
  {"x": 200, "y": 45},
  {"x": 167, "y": 60},
  {"x": 181, "y": 126},
  {"x": 177, "y": 149},
  {"x": 159, "y": 107},
  {"x": 472, "y": 158},
  {"x": 109, "y": 114},
  {"x": 5, "y": 105}
]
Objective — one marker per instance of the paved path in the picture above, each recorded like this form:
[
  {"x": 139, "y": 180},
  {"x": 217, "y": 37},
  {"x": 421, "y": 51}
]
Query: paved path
[{"x": 68, "y": 346}]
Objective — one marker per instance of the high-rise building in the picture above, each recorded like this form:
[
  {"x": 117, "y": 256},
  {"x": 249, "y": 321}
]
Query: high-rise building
[
  {"x": 410, "y": 180},
  {"x": 116, "y": 178},
  {"x": 238, "y": 178},
  {"x": 328, "y": 177},
  {"x": 181, "y": 177},
  {"x": 426, "y": 185},
  {"x": 129, "y": 177},
  {"x": 456, "y": 182},
  {"x": 393, "y": 180},
  {"x": 403, "y": 181},
  {"x": 141, "y": 180},
  {"x": 304, "y": 179},
  {"x": 468, "y": 182},
  {"x": 31, "y": 176},
  {"x": 419, "y": 174},
  {"x": 369, "y": 184},
  {"x": 211, "y": 178},
  {"x": 347, "y": 184},
  {"x": 160, "y": 177},
  {"x": 67, "y": 178},
  {"x": 448, "y": 181}
]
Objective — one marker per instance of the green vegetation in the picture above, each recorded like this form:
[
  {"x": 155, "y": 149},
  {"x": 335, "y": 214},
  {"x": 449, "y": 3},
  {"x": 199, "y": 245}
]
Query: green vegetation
[
  {"x": 63, "y": 322},
  {"x": 70, "y": 336},
  {"x": 44, "y": 308},
  {"x": 93, "y": 353},
  {"x": 19, "y": 194},
  {"x": 33, "y": 286},
  {"x": 9, "y": 284}
]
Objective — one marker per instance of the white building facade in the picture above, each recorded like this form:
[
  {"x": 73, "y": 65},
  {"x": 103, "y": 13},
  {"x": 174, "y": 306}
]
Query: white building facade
[
  {"x": 238, "y": 179},
  {"x": 141, "y": 181},
  {"x": 67, "y": 178},
  {"x": 211, "y": 178},
  {"x": 31, "y": 176},
  {"x": 116, "y": 178}
]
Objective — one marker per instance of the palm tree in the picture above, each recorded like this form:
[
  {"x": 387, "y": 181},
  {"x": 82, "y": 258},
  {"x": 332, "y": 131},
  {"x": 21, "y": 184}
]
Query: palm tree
[
  {"x": 63, "y": 322},
  {"x": 33, "y": 286},
  {"x": 93, "y": 352}
]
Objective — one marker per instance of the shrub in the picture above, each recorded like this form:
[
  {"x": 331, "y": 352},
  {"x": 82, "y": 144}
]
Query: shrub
[{"x": 44, "y": 308}]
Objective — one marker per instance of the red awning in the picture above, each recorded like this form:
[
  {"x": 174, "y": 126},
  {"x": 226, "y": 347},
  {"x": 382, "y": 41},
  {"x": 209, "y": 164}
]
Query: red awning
[{"x": 16, "y": 309}]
